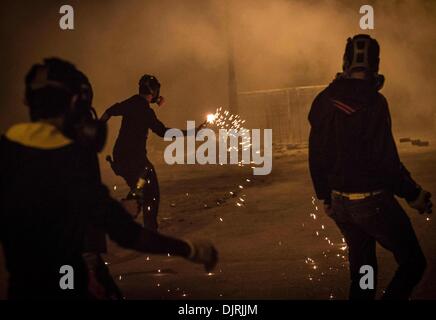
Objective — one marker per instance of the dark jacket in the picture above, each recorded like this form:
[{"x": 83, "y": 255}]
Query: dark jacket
[
  {"x": 351, "y": 146},
  {"x": 130, "y": 149},
  {"x": 50, "y": 194}
]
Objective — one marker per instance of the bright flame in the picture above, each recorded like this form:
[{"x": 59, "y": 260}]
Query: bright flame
[{"x": 211, "y": 118}]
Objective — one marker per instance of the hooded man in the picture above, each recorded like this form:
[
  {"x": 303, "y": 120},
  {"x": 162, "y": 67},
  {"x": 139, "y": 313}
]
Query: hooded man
[{"x": 357, "y": 172}]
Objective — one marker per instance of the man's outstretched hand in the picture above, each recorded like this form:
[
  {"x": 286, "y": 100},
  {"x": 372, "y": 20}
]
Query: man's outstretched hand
[
  {"x": 160, "y": 101},
  {"x": 328, "y": 210},
  {"x": 423, "y": 202},
  {"x": 203, "y": 252},
  {"x": 201, "y": 126}
]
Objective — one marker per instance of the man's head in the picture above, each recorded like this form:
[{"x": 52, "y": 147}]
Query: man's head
[
  {"x": 56, "y": 89},
  {"x": 362, "y": 55},
  {"x": 149, "y": 87}
]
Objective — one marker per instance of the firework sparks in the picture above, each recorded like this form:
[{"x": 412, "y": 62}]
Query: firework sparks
[
  {"x": 224, "y": 119},
  {"x": 211, "y": 118},
  {"x": 337, "y": 252}
]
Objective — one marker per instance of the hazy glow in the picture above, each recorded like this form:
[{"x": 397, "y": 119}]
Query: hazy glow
[{"x": 211, "y": 118}]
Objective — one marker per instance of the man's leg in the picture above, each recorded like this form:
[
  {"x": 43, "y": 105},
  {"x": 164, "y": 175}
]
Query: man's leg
[
  {"x": 401, "y": 240},
  {"x": 361, "y": 250},
  {"x": 391, "y": 227},
  {"x": 151, "y": 197},
  {"x": 112, "y": 291}
]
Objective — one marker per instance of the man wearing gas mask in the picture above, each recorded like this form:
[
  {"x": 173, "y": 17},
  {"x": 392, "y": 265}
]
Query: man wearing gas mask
[
  {"x": 357, "y": 172},
  {"x": 130, "y": 159},
  {"x": 52, "y": 198}
]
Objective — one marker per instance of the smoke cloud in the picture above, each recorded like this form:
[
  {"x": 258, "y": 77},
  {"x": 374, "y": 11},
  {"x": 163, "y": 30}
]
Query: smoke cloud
[{"x": 276, "y": 43}]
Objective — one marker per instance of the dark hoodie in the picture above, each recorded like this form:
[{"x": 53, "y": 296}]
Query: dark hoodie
[
  {"x": 351, "y": 146},
  {"x": 130, "y": 151},
  {"x": 50, "y": 194}
]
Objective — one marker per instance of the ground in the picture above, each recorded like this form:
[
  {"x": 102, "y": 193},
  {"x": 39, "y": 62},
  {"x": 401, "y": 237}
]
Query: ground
[{"x": 268, "y": 247}]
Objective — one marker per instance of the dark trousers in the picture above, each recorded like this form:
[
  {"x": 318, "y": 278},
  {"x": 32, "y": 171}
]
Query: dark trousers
[
  {"x": 112, "y": 291},
  {"x": 379, "y": 218},
  {"x": 150, "y": 205},
  {"x": 42, "y": 282}
]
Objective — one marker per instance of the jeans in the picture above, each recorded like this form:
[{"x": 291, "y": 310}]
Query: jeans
[{"x": 379, "y": 218}]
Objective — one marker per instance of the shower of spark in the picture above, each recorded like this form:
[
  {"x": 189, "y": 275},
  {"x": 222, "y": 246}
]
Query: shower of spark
[
  {"x": 223, "y": 119},
  {"x": 211, "y": 118},
  {"x": 333, "y": 249}
]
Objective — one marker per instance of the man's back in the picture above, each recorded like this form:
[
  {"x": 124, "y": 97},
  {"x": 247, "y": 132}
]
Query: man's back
[
  {"x": 352, "y": 147},
  {"x": 138, "y": 117},
  {"x": 44, "y": 181}
]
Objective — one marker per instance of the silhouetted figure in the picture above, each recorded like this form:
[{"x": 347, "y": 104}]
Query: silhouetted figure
[
  {"x": 356, "y": 170},
  {"x": 130, "y": 159},
  {"x": 52, "y": 201}
]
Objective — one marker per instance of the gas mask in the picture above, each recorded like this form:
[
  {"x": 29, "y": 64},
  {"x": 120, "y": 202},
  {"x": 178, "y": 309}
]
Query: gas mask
[
  {"x": 377, "y": 79},
  {"x": 362, "y": 54},
  {"x": 150, "y": 85},
  {"x": 81, "y": 121}
]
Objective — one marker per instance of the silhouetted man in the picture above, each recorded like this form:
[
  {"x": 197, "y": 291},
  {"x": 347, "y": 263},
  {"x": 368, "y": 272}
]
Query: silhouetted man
[
  {"x": 356, "y": 171},
  {"x": 51, "y": 196},
  {"x": 130, "y": 159}
]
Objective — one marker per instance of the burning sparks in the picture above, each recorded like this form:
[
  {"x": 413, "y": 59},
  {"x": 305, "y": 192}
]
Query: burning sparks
[
  {"x": 224, "y": 119},
  {"x": 337, "y": 249},
  {"x": 211, "y": 118}
]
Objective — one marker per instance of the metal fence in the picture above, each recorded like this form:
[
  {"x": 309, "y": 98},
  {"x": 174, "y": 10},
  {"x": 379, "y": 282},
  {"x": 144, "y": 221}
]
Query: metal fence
[{"x": 284, "y": 111}]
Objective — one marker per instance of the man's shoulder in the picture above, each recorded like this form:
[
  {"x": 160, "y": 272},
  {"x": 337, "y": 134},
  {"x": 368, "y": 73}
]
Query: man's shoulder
[
  {"x": 322, "y": 95},
  {"x": 125, "y": 102},
  {"x": 319, "y": 106},
  {"x": 381, "y": 98},
  {"x": 135, "y": 104}
]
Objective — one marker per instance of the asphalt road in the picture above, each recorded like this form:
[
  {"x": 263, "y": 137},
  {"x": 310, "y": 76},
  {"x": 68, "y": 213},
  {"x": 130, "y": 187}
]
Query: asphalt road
[{"x": 271, "y": 247}]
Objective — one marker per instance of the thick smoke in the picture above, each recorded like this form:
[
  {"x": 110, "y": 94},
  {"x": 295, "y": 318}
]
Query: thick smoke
[
  {"x": 294, "y": 43},
  {"x": 276, "y": 43}
]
